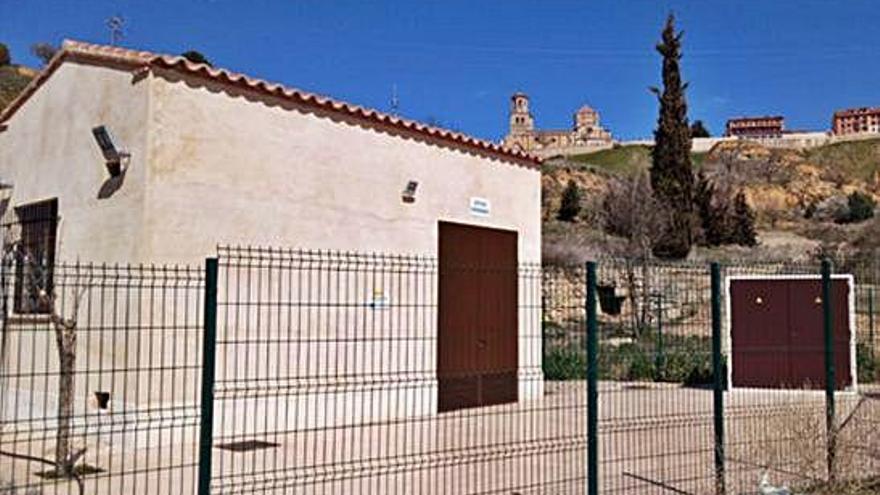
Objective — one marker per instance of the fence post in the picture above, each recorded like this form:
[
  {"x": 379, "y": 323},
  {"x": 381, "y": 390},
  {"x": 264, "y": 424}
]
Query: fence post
[
  {"x": 209, "y": 355},
  {"x": 660, "y": 357},
  {"x": 720, "y": 380},
  {"x": 830, "y": 383},
  {"x": 592, "y": 379},
  {"x": 871, "y": 321}
]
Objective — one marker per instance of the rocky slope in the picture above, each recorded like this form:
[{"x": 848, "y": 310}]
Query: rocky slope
[{"x": 797, "y": 195}]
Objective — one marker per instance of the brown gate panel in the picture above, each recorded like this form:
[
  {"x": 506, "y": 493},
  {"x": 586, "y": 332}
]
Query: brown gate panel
[
  {"x": 759, "y": 316},
  {"x": 777, "y": 333},
  {"x": 477, "y": 318},
  {"x": 499, "y": 319},
  {"x": 807, "y": 352}
]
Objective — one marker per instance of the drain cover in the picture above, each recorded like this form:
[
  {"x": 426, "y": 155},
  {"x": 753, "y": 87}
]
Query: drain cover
[{"x": 246, "y": 445}]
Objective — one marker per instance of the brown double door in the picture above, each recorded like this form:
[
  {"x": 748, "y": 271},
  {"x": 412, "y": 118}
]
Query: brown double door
[
  {"x": 477, "y": 316},
  {"x": 778, "y": 337}
]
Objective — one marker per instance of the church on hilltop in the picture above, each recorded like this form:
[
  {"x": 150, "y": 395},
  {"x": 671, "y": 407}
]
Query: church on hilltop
[{"x": 585, "y": 136}]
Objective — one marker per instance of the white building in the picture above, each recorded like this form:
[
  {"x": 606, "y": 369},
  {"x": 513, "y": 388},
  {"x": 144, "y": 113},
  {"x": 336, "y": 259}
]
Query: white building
[{"x": 214, "y": 157}]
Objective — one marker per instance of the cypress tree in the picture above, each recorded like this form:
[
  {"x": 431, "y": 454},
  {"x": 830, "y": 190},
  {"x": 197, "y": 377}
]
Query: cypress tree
[
  {"x": 713, "y": 210},
  {"x": 698, "y": 130},
  {"x": 570, "y": 205},
  {"x": 671, "y": 173},
  {"x": 703, "y": 196},
  {"x": 744, "y": 222}
]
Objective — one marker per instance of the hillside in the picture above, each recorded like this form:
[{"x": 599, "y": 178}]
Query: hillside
[
  {"x": 799, "y": 197},
  {"x": 627, "y": 160},
  {"x": 13, "y": 79}
]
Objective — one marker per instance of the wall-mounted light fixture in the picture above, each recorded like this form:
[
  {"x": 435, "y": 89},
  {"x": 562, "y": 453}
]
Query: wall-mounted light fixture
[
  {"x": 116, "y": 158},
  {"x": 409, "y": 193}
]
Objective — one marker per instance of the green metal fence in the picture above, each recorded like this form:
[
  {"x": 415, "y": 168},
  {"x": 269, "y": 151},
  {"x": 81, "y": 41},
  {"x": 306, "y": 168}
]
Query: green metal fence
[
  {"x": 99, "y": 380},
  {"x": 291, "y": 371}
]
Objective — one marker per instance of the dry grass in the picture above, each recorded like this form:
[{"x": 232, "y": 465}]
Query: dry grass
[{"x": 790, "y": 445}]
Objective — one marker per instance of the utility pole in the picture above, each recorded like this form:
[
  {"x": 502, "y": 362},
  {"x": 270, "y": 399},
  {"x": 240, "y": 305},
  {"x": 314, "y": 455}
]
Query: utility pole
[{"x": 116, "y": 25}]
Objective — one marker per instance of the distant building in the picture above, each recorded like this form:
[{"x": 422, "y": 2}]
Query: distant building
[
  {"x": 856, "y": 121},
  {"x": 771, "y": 126},
  {"x": 585, "y": 135}
]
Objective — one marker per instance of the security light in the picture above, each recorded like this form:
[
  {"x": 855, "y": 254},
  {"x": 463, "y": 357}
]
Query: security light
[
  {"x": 113, "y": 156},
  {"x": 409, "y": 194}
]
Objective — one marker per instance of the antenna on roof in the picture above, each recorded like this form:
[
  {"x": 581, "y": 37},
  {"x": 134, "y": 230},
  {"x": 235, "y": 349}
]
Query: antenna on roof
[
  {"x": 395, "y": 101},
  {"x": 116, "y": 25}
]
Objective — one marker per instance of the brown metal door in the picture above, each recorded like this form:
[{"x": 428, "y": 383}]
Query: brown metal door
[
  {"x": 807, "y": 350},
  {"x": 477, "y": 317},
  {"x": 777, "y": 333},
  {"x": 759, "y": 332}
]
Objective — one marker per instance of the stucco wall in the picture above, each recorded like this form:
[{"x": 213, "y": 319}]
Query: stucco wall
[
  {"x": 232, "y": 168},
  {"x": 227, "y": 168},
  {"x": 48, "y": 151},
  {"x": 213, "y": 166}
]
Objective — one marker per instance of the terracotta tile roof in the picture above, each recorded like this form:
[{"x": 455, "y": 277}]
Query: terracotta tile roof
[{"x": 133, "y": 59}]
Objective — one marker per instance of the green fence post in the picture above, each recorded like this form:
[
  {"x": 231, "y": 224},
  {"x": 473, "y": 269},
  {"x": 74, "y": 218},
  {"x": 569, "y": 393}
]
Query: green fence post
[
  {"x": 660, "y": 357},
  {"x": 871, "y": 322},
  {"x": 209, "y": 357},
  {"x": 592, "y": 379},
  {"x": 828, "y": 324},
  {"x": 720, "y": 380}
]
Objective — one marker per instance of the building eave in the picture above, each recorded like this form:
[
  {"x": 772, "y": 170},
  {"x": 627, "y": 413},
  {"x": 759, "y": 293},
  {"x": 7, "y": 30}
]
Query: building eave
[{"x": 142, "y": 60}]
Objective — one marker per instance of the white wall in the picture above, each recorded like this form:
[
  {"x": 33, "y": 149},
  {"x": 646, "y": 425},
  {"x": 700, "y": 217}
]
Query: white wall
[
  {"x": 232, "y": 168},
  {"x": 228, "y": 168},
  {"x": 214, "y": 166},
  {"x": 48, "y": 151}
]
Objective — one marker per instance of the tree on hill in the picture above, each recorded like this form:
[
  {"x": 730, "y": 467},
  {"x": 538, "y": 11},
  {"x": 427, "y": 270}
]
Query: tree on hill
[
  {"x": 570, "y": 205},
  {"x": 744, "y": 222},
  {"x": 860, "y": 207},
  {"x": 196, "y": 57},
  {"x": 629, "y": 211},
  {"x": 5, "y": 58},
  {"x": 12, "y": 79},
  {"x": 699, "y": 130},
  {"x": 672, "y": 177},
  {"x": 44, "y": 51},
  {"x": 713, "y": 210}
]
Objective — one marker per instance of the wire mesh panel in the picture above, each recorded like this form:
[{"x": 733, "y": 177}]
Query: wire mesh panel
[
  {"x": 857, "y": 412},
  {"x": 774, "y": 416},
  {"x": 99, "y": 378},
  {"x": 329, "y": 370},
  {"x": 788, "y": 429},
  {"x": 655, "y": 376}
]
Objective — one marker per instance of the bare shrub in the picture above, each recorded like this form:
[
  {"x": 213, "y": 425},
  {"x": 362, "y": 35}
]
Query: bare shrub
[
  {"x": 788, "y": 445},
  {"x": 630, "y": 211}
]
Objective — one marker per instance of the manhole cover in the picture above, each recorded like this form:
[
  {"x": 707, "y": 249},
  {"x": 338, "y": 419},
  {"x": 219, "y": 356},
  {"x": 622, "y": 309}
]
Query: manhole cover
[{"x": 246, "y": 445}]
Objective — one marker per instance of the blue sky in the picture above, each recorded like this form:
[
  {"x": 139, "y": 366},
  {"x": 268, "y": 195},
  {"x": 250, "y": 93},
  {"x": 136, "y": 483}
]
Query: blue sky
[{"x": 458, "y": 61}]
